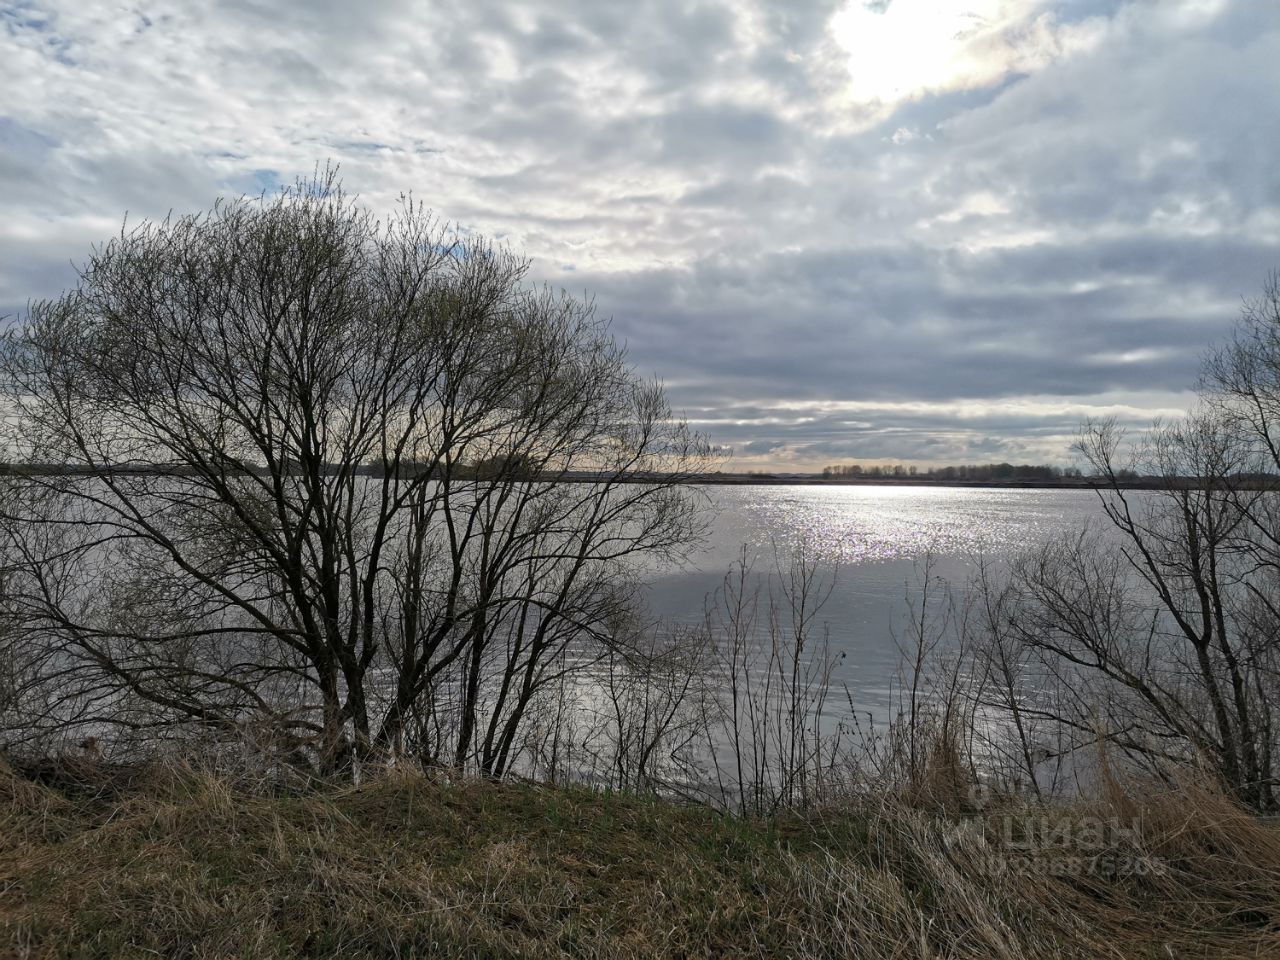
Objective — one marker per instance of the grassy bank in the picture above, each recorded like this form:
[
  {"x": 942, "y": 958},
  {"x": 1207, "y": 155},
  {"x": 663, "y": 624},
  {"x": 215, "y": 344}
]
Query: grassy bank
[{"x": 183, "y": 865}]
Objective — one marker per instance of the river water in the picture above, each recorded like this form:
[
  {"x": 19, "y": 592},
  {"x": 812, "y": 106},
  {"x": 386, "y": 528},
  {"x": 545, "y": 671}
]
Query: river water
[{"x": 872, "y": 540}]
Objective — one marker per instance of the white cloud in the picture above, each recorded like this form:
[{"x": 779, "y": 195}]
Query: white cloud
[{"x": 945, "y": 203}]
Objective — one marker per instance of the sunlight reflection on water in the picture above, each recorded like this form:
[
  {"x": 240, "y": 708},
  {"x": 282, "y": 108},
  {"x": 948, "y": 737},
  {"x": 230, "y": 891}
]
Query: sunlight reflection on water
[
  {"x": 855, "y": 525},
  {"x": 871, "y": 539}
]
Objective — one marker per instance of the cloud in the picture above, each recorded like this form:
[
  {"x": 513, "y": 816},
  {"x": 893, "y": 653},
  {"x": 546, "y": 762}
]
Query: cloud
[
  {"x": 918, "y": 231},
  {"x": 906, "y": 49}
]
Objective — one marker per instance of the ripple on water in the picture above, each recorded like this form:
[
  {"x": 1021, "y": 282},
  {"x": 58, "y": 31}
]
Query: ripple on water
[{"x": 861, "y": 524}]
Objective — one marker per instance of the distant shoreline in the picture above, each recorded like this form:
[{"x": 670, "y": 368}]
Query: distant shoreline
[{"x": 711, "y": 479}]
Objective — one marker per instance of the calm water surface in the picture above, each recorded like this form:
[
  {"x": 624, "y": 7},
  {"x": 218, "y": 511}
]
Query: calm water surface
[{"x": 872, "y": 538}]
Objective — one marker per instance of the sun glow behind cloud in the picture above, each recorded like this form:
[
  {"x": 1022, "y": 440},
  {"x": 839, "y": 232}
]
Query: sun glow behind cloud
[{"x": 904, "y": 49}]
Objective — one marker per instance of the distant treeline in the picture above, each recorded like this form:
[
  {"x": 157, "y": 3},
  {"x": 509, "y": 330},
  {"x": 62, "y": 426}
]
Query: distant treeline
[{"x": 972, "y": 472}]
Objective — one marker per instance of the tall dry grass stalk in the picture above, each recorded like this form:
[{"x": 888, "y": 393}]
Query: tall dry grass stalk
[{"x": 184, "y": 863}]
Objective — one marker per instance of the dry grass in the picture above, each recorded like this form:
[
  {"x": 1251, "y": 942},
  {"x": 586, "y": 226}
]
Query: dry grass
[{"x": 185, "y": 865}]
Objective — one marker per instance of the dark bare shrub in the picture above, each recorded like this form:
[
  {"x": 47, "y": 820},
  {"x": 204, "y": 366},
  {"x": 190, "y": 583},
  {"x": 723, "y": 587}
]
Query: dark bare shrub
[{"x": 290, "y": 464}]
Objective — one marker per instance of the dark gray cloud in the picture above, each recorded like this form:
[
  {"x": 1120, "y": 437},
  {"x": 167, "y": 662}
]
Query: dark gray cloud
[{"x": 930, "y": 230}]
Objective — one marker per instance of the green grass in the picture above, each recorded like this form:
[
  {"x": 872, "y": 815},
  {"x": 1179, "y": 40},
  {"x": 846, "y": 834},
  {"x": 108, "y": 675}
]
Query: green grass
[{"x": 189, "y": 866}]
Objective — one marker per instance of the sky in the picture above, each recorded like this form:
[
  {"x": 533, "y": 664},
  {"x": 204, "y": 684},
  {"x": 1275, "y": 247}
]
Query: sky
[{"x": 918, "y": 231}]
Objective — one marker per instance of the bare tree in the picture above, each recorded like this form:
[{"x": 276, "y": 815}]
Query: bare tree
[
  {"x": 1018, "y": 740},
  {"x": 1159, "y": 633},
  {"x": 1151, "y": 638},
  {"x": 771, "y": 739},
  {"x": 353, "y": 479},
  {"x": 654, "y": 693}
]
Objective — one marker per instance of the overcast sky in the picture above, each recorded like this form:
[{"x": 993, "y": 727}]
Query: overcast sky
[{"x": 910, "y": 230}]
